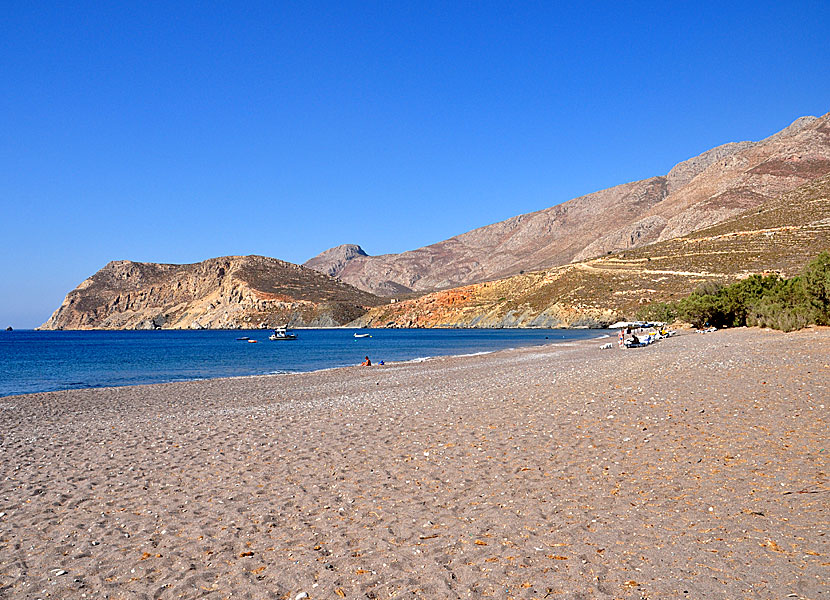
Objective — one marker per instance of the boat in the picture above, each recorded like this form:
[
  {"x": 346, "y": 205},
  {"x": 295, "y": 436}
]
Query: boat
[
  {"x": 281, "y": 333},
  {"x": 362, "y": 335},
  {"x": 243, "y": 339}
]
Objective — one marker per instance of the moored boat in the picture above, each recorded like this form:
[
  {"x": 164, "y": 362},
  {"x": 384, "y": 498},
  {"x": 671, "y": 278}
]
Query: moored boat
[{"x": 281, "y": 333}]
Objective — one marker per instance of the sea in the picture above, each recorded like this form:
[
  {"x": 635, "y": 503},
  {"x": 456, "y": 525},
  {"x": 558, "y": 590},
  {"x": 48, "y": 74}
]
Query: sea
[{"x": 43, "y": 361}]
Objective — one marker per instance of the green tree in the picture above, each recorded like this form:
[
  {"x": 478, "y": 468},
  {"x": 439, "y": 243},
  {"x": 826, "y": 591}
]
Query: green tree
[
  {"x": 663, "y": 312},
  {"x": 816, "y": 282},
  {"x": 783, "y": 307},
  {"x": 704, "y": 306}
]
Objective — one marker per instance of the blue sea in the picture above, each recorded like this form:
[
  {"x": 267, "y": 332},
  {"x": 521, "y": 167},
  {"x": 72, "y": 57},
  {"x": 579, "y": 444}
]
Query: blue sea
[{"x": 41, "y": 361}]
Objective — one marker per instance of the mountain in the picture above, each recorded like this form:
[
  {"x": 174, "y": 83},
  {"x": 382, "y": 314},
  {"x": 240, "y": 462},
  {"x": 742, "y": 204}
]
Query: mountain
[
  {"x": 333, "y": 261},
  {"x": 697, "y": 193},
  {"x": 228, "y": 292},
  {"x": 780, "y": 235}
]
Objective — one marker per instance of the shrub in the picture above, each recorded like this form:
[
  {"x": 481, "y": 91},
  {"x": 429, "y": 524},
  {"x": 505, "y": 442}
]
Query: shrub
[
  {"x": 725, "y": 306},
  {"x": 786, "y": 307},
  {"x": 816, "y": 283},
  {"x": 763, "y": 301},
  {"x": 663, "y": 312}
]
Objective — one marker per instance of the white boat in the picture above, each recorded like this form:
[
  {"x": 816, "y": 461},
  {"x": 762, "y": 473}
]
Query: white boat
[
  {"x": 362, "y": 335},
  {"x": 281, "y": 333}
]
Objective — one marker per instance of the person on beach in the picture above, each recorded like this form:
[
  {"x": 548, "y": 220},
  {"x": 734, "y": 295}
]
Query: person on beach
[{"x": 366, "y": 363}]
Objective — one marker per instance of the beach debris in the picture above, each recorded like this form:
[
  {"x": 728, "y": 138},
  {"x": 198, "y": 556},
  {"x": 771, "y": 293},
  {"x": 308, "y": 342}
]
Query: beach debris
[
  {"x": 59, "y": 572},
  {"x": 768, "y": 543}
]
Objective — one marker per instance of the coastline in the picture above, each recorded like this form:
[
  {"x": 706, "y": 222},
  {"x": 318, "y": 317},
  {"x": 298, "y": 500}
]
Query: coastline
[
  {"x": 695, "y": 467},
  {"x": 47, "y": 361}
]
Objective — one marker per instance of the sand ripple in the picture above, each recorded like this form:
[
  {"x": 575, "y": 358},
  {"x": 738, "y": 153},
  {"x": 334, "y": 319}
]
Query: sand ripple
[{"x": 693, "y": 468}]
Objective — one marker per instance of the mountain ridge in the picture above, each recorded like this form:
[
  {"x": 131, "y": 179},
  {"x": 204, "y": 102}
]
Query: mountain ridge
[
  {"x": 695, "y": 193},
  {"x": 780, "y": 236}
]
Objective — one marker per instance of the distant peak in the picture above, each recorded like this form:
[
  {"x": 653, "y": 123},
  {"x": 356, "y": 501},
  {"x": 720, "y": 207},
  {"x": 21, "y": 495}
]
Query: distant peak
[
  {"x": 348, "y": 250},
  {"x": 343, "y": 252},
  {"x": 334, "y": 260}
]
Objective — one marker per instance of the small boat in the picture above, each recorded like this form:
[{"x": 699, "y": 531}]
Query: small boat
[
  {"x": 362, "y": 335},
  {"x": 252, "y": 341},
  {"x": 281, "y": 333},
  {"x": 243, "y": 339}
]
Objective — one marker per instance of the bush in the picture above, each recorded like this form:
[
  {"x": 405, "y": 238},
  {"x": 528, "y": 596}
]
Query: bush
[
  {"x": 763, "y": 301},
  {"x": 663, "y": 312},
  {"x": 785, "y": 307},
  {"x": 701, "y": 308},
  {"x": 725, "y": 306},
  {"x": 816, "y": 283}
]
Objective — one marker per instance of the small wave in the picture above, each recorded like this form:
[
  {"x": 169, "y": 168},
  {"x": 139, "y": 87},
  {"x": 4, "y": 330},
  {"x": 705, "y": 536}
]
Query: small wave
[
  {"x": 478, "y": 353},
  {"x": 420, "y": 359}
]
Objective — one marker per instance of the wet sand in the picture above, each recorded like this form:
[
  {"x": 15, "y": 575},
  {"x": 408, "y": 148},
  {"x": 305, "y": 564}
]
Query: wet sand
[{"x": 694, "y": 468}]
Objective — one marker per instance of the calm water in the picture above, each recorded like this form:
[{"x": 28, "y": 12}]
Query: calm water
[{"x": 39, "y": 361}]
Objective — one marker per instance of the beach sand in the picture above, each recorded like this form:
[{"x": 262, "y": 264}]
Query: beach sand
[{"x": 694, "y": 468}]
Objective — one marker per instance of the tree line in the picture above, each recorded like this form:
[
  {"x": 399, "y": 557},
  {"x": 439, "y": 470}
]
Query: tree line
[{"x": 759, "y": 300}]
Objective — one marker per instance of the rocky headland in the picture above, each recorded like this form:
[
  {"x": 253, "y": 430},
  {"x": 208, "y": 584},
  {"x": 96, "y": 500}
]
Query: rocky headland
[{"x": 221, "y": 293}]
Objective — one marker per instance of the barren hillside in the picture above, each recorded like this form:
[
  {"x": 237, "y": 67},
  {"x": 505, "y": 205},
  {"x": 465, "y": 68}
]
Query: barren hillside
[{"x": 697, "y": 193}]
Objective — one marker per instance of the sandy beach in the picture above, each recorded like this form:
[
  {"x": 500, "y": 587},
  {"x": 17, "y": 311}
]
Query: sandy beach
[{"x": 694, "y": 468}]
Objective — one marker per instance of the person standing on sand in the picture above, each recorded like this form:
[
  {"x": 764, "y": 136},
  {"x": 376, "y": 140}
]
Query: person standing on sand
[{"x": 366, "y": 363}]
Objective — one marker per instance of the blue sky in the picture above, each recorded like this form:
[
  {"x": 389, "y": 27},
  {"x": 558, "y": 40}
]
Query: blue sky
[{"x": 176, "y": 132}]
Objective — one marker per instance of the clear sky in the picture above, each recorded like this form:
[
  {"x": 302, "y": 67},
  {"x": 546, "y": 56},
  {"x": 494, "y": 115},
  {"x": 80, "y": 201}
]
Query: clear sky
[{"x": 175, "y": 132}]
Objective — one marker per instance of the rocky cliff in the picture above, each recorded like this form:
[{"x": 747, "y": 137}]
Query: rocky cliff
[
  {"x": 229, "y": 292},
  {"x": 697, "y": 193},
  {"x": 781, "y": 236}
]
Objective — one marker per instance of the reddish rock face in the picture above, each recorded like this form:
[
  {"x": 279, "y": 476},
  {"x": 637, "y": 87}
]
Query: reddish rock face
[{"x": 697, "y": 193}]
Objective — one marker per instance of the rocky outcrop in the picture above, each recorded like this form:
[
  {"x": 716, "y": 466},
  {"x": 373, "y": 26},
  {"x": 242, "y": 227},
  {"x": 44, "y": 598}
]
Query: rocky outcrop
[
  {"x": 682, "y": 173},
  {"x": 221, "y": 293},
  {"x": 697, "y": 193},
  {"x": 780, "y": 236}
]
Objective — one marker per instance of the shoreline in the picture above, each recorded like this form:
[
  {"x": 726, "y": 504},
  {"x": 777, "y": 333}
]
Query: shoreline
[
  {"x": 285, "y": 372},
  {"x": 694, "y": 467}
]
